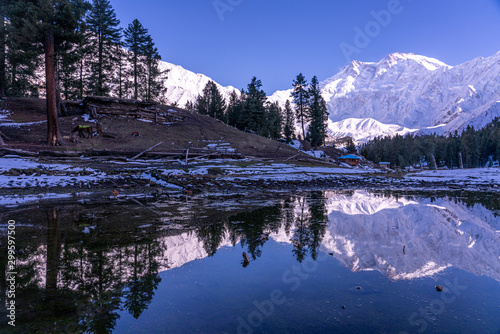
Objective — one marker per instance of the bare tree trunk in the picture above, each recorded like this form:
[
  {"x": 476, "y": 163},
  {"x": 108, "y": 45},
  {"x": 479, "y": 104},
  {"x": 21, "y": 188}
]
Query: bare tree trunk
[
  {"x": 135, "y": 77},
  {"x": 61, "y": 108},
  {"x": 460, "y": 161},
  {"x": 303, "y": 129},
  {"x": 13, "y": 80},
  {"x": 99, "y": 89},
  {"x": 433, "y": 161},
  {"x": 120, "y": 68},
  {"x": 53, "y": 135},
  {"x": 81, "y": 79}
]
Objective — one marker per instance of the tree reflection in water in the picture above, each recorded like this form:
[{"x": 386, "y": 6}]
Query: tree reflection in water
[{"x": 87, "y": 263}]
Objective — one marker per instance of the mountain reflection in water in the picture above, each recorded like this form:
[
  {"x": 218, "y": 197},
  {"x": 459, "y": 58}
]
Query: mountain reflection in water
[{"x": 80, "y": 264}]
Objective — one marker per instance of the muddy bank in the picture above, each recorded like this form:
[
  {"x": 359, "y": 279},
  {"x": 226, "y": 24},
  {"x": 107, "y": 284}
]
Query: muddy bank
[{"x": 158, "y": 184}]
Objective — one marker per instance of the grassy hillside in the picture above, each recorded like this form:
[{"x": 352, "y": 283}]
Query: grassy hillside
[{"x": 199, "y": 129}]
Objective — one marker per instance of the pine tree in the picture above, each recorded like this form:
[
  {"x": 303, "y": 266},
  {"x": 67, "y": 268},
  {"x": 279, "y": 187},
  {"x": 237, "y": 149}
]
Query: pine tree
[
  {"x": 155, "y": 78},
  {"x": 104, "y": 34},
  {"x": 190, "y": 106},
  {"x": 477, "y": 147},
  {"x": 234, "y": 110},
  {"x": 135, "y": 39},
  {"x": 350, "y": 146},
  {"x": 289, "y": 128},
  {"x": 318, "y": 114},
  {"x": 274, "y": 120},
  {"x": 71, "y": 52},
  {"x": 51, "y": 23},
  {"x": 211, "y": 102},
  {"x": 254, "y": 109},
  {"x": 202, "y": 104},
  {"x": 300, "y": 96},
  {"x": 121, "y": 56},
  {"x": 23, "y": 45}
]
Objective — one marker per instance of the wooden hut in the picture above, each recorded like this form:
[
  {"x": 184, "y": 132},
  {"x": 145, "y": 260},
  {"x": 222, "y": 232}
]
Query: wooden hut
[{"x": 350, "y": 159}]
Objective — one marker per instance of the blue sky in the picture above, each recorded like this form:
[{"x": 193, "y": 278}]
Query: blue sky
[{"x": 276, "y": 40}]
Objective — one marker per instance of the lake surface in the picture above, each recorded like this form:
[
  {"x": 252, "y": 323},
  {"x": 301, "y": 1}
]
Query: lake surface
[{"x": 320, "y": 262}]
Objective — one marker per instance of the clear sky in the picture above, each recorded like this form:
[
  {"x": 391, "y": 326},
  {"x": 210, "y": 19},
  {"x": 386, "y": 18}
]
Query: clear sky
[{"x": 275, "y": 40}]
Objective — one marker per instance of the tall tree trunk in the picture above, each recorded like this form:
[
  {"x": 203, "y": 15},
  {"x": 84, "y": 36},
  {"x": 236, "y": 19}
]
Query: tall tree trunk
[
  {"x": 302, "y": 121},
  {"x": 120, "y": 65},
  {"x": 81, "y": 79},
  {"x": 53, "y": 135},
  {"x": 135, "y": 76},
  {"x": 13, "y": 79},
  {"x": 99, "y": 89},
  {"x": 3, "y": 77},
  {"x": 61, "y": 108}
]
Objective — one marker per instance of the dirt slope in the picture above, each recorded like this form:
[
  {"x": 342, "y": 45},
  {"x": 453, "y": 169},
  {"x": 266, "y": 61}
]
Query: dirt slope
[{"x": 199, "y": 129}]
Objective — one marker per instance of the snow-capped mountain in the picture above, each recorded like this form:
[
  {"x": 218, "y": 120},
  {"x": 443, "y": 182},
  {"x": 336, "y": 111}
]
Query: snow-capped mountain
[
  {"x": 365, "y": 129},
  {"x": 400, "y": 94},
  {"x": 409, "y": 91},
  {"x": 415, "y": 91},
  {"x": 183, "y": 85}
]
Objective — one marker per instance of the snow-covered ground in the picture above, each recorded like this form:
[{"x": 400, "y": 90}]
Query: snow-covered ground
[
  {"x": 60, "y": 176},
  {"x": 18, "y": 125},
  {"x": 277, "y": 171},
  {"x": 65, "y": 175},
  {"x": 49, "y": 181},
  {"x": 25, "y": 173},
  {"x": 4, "y": 113},
  {"x": 7, "y": 163},
  {"x": 459, "y": 176},
  {"x": 314, "y": 153}
]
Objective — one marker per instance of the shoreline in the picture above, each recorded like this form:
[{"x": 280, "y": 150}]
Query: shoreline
[{"x": 36, "y": 181}]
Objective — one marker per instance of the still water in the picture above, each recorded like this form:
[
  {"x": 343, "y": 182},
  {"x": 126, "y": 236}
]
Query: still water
[{"x": 320, "y": 262}]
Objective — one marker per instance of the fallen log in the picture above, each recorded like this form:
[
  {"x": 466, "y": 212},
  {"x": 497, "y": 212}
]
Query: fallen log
[
  {"x": 292, "y": 157},
  {"x": 3, "y": 136},
  {"x": 316, "y": 161},
  {"x": 4, "y": 151},
  {"x": 149, "y": 149}
]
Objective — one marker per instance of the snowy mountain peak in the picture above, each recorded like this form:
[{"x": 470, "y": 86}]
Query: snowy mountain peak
[
  {"x": 398, "y": 57},
  {"x": 183, "y": 85},
  {"x": 365, "y": 129}
]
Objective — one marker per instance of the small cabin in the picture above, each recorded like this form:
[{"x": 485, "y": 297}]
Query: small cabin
[
  {"x": 384, "y": 164},
  {"x": 350, "y": 159}
]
